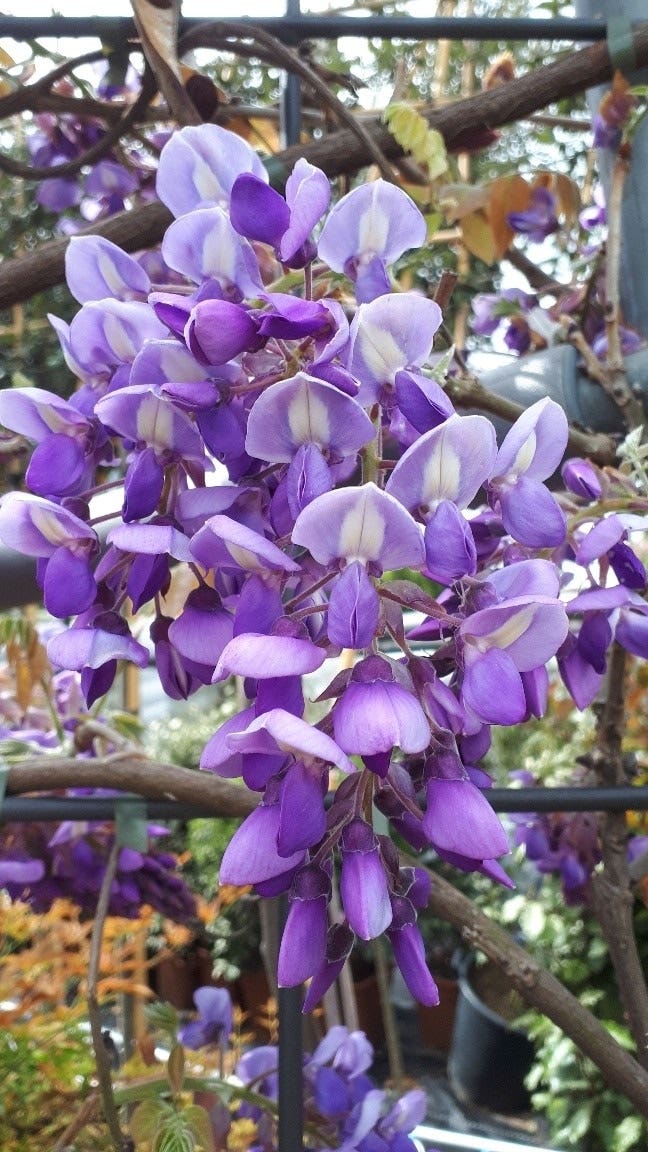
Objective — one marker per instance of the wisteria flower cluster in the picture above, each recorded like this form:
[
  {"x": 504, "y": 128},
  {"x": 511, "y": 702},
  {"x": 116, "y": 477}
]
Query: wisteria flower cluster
[
  {"x": 43, "y": 862},
  {"x": 341, "y": 1101},
  {"x": 297, "y": 453}
]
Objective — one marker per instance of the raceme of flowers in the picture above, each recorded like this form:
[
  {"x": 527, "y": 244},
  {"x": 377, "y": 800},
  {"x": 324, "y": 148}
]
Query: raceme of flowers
[
  {"x": 300, "y": 457},
  {"x": 43, "y": 862},
  {"x": 341, "y": 1101}
]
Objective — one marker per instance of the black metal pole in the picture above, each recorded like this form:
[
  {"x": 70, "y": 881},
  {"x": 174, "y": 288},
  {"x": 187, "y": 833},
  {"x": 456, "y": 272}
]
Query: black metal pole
[
  {"x": 289, "y": 1000},
  {"x": 292, "y": 29},
  {"x": 19, "y": 809}
]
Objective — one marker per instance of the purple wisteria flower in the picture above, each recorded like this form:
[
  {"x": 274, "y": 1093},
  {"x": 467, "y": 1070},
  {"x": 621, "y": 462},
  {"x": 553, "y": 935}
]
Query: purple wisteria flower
[
  {"x": 539, "y": 220},
  {"x": 214, "y": 1023},
  {"x": 345, "y": 490},
  {"x": 368, "y": 230}
]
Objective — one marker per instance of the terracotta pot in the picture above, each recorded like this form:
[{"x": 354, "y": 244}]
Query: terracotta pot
[
  {"x": 436, "y": 1024},
  {"x": 253, "y": 994},
  {"x": 175, "y": 981}
]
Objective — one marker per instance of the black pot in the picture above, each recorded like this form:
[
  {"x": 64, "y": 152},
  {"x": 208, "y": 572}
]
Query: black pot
[{"x": 488, "y": 1058}]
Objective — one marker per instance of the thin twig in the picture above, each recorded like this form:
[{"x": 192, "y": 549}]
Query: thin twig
[
  {"x": 96, "y": 151},
  {"x": 221, "y": 32},
  {"x": 611, "y": 888},
  {"x": 86, "y": 1113},
  {"x": 121, "y": 1143}
]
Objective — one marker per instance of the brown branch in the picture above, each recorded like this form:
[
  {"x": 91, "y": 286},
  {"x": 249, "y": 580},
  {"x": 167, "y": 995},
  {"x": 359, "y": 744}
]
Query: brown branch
[
  {"x": 536, "y": 277},
  {"x": 96, "y": 151},
  {"x": 467, "y": 392},
  {"x": 340, "y": 152},
  {"x": 612, "y": 887},
  {"x": 128, "y": 773},
  {"x": 542, "y": 991},
  {"x": 220, "y": 33}
]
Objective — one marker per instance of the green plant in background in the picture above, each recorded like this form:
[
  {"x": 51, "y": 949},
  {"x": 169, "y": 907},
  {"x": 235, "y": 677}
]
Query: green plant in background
[
  {"x": 581, "y": 1112},
  {"x": 47, "y": 1070}
]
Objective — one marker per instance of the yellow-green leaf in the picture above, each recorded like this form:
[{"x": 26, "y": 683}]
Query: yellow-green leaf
[{"x": 413, "y": 133}]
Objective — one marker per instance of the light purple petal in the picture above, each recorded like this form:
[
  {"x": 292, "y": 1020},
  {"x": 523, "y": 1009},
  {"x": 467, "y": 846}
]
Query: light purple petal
[
  {"x": 531, "y": 630},
  {"x": 199, "y": 165},
  {"x": 526, "y": 578},
  {"x": 362, "y": 524},
  {"x": 492, "y": 688},
  {"x": 376, "y": 717},
  {"x": 251, "y": 855},
  {"x": 203, "y": 245},
  {"x": 151, "y": 540},
  {"x": 290, "y": 734},
  {"x": 140, "y": 414},
  {"x": 223, "y": 542},
  {"x": 599, "y": 540},
  {"x": 36, "y": 414},
  {"x": 95, "y": 268},
  {"x": 81, "y": 648},
  {"x": 37, "y": 527},
  {"x": 531, "y": 514},
  {"x": 390, "y": 333},
  {"x": 308, "y": 194},
  {"x": 304, "y": 410},
  {"x": 268, "y": 656},
  {"x": 536, "y": 443},
  {"x": 450, "y": 462},
  {"x": 374, "y": 219}
]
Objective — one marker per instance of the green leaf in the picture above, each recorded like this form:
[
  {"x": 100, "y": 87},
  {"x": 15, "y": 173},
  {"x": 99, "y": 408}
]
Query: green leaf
[
  {"x": 415, "y": 136},
  {"x": 147, "y": 1119},
  {"x": 175, "y": 1068},
  {"x": 163, "y": 1017},
  {"x": 197, "y": 1119},
  {"x": 628, "y": 1134}
]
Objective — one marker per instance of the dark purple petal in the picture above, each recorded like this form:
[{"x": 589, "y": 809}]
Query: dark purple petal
[
  {"x": 217, "y": 331},
  {"x": 353, "y": 609},
  {"x": 450, "y": 551},
  {"x": 363, "y": 882},
  {"x": 409, "y": 954},
  {"x": 459, "y": 819},
  {"x": 69, "y": 585},
  {"x": 302, "y": 822},
  {"x": 308, "y": 476},
  {"x": 632, "y": 632},
  {"x": 143, "y": 485},
  {"x": 57, "y": 466},
  {"x": 582, "y": 477},
  {"x": 377, "y": 717},
  {"x": 257, "y": 211}
]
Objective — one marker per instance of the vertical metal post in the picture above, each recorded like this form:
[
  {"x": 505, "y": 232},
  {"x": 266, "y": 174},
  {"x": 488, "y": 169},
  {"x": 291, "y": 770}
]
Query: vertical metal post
[
  {"x": 291, "y": 1104},
  {"x": 291, "y": 1095},
  {"x": 291, "y": 93}
]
